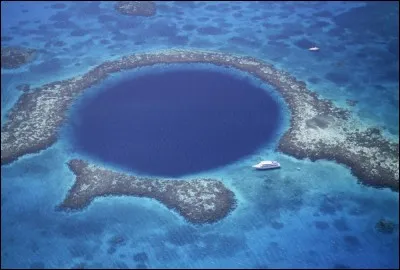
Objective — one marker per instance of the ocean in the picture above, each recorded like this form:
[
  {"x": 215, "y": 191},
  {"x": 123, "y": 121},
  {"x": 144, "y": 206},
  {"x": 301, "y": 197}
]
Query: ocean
[{"x": 191, "y": 121}]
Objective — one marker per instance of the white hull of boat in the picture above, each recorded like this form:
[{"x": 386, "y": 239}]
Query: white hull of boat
[
  {"x": 314, "y": 49},
  {"x": 267, "y": 165}
]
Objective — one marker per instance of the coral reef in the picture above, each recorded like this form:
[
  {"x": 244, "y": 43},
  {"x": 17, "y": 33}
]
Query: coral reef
[
  {"x": 136, "y": 8},
  {"x": 15, "y": 57},
  {"x": 385, "y": 226},
  {"x": 198, "y": 201},
  {"x": 318, "y": 129}
]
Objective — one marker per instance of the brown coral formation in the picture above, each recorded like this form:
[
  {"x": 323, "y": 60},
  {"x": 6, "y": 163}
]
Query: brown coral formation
[
  {"x": 198, "y": 201},
  {"x": 15, "y": 57},
  {"x": 136, "y": 8}
]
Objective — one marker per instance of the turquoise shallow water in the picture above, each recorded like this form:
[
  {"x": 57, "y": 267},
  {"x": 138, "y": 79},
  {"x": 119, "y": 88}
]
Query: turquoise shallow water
[{"x": 306, "y": 215}]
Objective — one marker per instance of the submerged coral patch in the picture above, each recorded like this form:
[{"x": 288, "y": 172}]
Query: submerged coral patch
[
  {"x": 210, "y": 30},
  {"x": 6, "y": 38},
  {"x": 136, "y": 8},
  {"x": 163, "y": 28},
  {"x": 304, "y": 43},
  {"x": 15, "y": 57},
  {"x": 58, "y": 6},
  {"x": 23, "y": 87},
  {"x": 78, "y": 33},
  {"x": 188, "y": 27},
  {"x": 385, "y": 226}
]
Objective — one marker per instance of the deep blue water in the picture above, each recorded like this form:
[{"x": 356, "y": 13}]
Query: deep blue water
[
  {"x": 306, "y": 215},
  {"x": 176, "y": 123}
]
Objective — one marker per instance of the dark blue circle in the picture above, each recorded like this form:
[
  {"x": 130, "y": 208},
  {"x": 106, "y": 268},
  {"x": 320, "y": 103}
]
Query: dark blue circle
[{"x": 177, "y": 122}]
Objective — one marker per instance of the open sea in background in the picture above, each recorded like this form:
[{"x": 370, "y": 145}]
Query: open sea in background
[{"x": 305, "y": 215}]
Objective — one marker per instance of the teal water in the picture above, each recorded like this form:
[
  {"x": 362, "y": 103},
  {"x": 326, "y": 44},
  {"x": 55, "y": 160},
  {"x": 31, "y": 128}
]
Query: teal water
[{"x": 306, "y": 215}]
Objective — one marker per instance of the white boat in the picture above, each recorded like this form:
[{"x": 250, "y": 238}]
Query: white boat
[
  {"x": 313, "y": 48},
  {"x": 266, "y": 165}
]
